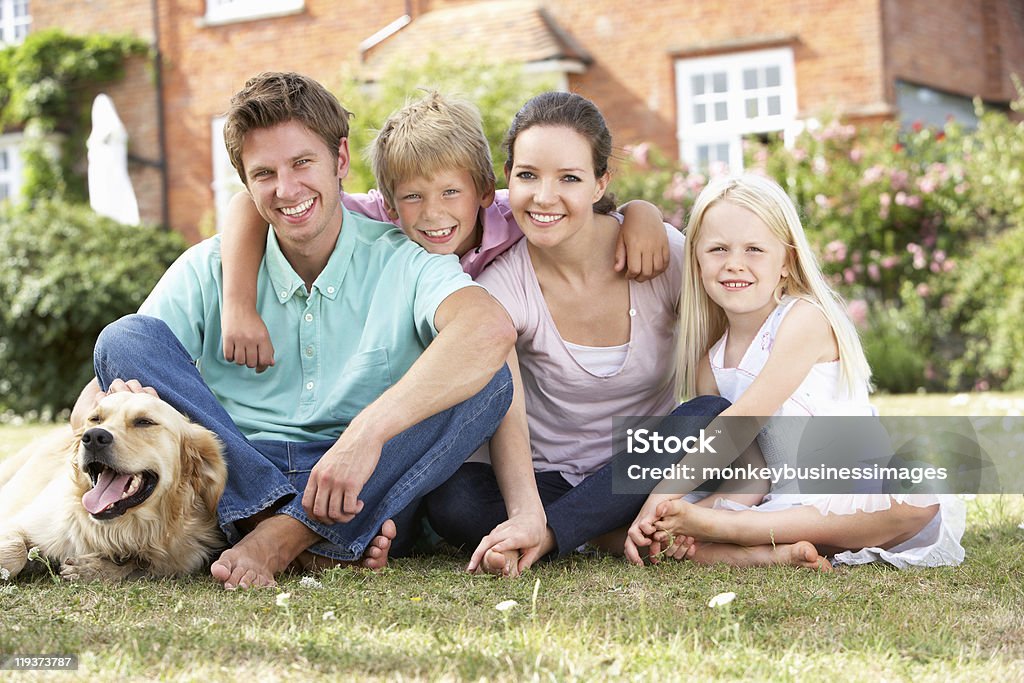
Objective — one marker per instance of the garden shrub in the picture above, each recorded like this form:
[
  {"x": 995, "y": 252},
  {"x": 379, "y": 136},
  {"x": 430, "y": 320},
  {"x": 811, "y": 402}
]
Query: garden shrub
[
  {"x": 66, "y": 272},
  {"x": 893, "y": 214}
]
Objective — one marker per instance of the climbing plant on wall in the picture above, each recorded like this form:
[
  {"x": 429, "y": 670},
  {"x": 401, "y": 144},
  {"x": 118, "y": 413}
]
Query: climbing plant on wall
[{"x": 46, "y": 88}]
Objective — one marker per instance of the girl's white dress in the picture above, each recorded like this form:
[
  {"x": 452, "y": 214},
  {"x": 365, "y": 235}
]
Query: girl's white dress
[{"x": 822, "y": 393}]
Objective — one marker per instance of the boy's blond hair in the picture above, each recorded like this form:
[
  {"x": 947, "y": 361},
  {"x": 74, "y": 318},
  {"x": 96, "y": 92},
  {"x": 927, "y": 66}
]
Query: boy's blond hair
[
  {"x": 702, "y": 322},
  {"x": 431, "y": 135}
]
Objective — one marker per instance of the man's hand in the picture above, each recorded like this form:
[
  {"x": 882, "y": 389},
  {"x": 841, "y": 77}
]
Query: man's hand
[
  {"x": 92, "y": 394},
  {"x": 525, "y": 533},
  {"x": 332, "y": 492}
]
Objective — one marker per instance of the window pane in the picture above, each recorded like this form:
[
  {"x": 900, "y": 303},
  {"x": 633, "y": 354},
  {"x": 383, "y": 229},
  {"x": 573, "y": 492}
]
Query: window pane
[
  {"x": 774, "y": 105},
  {"x": 719, "y": 82},
  {"x": 751, "y": 108},
  {"x": 5, "y": 191},
  {"x": 697, "y": 83},
  {"x": 699, "y": 113},
  {"x": 4, "y": 161},
  {"x": 773, "y": 76},
  {"x": 703, "y": 154},
  {"x": 749, "y": 79},
  {"x": 721, "y": 111},
  {"x": 722, "y": 152}
]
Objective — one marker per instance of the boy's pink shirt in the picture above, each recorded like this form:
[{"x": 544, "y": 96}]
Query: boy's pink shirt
[{"x": 500, "y": 229}]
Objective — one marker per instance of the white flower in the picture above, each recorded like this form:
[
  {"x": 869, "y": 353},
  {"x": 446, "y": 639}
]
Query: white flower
[
  {"x": 328, "y": 615},
  {"x": 310, "y": 582},
  {"x": 5, "y": 574},
  {"x": 282, "y": 599},
  {"x": 1019, "y": 526},
  {"x": 33, "y": 553},
  {"x": 722, "y": 599},
  {"x": 505, "y": 605}
]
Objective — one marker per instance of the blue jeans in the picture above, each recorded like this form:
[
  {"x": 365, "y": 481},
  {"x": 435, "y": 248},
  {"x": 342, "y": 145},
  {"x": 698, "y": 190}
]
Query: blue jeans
[
  {"x": 468, "y": 506},
  {"x": 265, "y": 474}
]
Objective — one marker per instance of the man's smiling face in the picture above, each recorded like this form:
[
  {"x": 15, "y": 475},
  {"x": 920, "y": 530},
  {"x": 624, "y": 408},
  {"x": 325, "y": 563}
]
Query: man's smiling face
[{"x": 295, "y": 183}]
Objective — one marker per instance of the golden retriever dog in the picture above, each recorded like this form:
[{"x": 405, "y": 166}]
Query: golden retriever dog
[{"x": 134, "y": 492}]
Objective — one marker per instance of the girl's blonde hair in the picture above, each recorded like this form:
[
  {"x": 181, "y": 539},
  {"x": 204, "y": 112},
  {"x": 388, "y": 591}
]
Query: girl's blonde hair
[{"x": 702, "y": 322}]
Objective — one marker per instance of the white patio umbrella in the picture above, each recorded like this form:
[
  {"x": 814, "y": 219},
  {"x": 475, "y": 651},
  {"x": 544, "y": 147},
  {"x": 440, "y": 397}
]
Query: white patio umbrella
[{"x": 110, "y": 187}]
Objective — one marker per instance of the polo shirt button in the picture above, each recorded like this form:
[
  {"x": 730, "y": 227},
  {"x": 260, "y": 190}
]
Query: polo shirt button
[
  {"x": 330, "y": 290},
  {"x": 309, "y": 386},
  {"x": 284, "y": 294},
  {"x": 309, "y": 350},
  {"x": 309, "y": 317}
]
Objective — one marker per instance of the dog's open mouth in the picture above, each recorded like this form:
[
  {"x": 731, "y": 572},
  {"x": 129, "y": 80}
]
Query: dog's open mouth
[{"x": 113, "y": 493}]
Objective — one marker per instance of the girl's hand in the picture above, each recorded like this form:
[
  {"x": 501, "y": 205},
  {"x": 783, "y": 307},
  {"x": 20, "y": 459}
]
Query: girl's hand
[
  {"x": 246, "y": 339},
  {"x": 642, "y": 531}
]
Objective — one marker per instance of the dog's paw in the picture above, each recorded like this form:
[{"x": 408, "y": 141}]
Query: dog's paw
[{"x": 88, "y": 568}]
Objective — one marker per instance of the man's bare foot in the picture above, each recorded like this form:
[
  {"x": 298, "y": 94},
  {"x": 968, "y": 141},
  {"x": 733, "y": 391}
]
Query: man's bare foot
[
  {"x": 375, "y": 557},
  {"x": 262, "y": 553},
  {"x": 799, "y": 554}
]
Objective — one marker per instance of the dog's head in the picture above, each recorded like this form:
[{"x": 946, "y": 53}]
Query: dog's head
[{"x": 136, "y": 453}]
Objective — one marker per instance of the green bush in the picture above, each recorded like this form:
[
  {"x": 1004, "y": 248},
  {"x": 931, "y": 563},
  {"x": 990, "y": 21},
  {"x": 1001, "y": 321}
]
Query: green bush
[
  {"x": 894, "y": 215},
  {"x": 985, "y": 312},
  {"x": 65, "y": 272}
]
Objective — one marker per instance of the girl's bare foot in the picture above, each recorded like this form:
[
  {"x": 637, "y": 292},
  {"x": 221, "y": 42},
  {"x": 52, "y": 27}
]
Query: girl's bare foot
[
  {"x": 501, "y": 563},
  {"x": 799, "y": 554}
]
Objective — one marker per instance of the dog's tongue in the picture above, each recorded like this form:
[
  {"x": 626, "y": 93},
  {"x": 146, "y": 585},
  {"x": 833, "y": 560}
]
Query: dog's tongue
[{"x": 109, "y": 489}]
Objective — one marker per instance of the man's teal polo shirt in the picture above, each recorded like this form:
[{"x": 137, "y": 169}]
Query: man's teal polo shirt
[{"x": 336, "y": 349}]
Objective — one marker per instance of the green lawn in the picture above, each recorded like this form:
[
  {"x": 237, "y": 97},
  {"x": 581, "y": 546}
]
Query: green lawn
[{"x": 578, "y": 619}]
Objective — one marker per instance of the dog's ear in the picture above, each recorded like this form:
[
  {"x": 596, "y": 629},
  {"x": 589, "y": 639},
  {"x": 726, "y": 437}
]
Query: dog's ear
[{"x": 203, "y": 464}]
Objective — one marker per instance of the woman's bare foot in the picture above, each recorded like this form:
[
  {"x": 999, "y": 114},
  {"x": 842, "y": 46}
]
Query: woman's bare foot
[
  {"x": 501, "y": 563},
  {"x": 799, "y": 554}
]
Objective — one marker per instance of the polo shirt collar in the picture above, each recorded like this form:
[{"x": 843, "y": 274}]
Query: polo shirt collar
[{"x": 286, "y": 281}]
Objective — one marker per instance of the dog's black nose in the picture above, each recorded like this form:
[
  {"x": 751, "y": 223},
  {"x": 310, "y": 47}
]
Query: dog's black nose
[{"x": 97, "y": 438}]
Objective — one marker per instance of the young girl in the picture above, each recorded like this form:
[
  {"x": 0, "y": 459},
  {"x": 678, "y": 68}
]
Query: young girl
[{"x": 761, "y": 327}]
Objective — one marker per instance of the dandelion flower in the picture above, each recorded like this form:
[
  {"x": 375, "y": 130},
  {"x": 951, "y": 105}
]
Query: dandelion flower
[
  {"x": 722, "y": 599},
  {"x": 310, "y": 582},
  {"x": 505, "y": 605},
  {"x": 283, "y": 598},
  {"x": 416, "y": 599}
]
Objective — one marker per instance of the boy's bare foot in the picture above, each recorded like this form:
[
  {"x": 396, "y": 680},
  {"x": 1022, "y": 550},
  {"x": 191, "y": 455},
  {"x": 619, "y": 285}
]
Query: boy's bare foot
[
  {"x": 263, "y": 553},
  {"x": 374, "y": 558},
  {"x": 799, "y": 554}
]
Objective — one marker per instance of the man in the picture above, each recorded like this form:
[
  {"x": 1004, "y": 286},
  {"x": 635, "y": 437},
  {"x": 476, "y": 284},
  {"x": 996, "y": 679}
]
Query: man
[{"x": 384, "y": 380}]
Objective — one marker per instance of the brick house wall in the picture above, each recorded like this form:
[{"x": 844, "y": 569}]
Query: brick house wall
[{"x": 847, "y": 54}]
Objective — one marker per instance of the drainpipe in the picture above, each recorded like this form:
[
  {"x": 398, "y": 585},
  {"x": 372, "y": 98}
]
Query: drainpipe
[{"x": 165, "y": 209}]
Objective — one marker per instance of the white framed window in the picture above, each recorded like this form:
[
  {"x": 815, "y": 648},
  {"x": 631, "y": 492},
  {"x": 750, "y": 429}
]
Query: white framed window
[
  {"x": 723, "y": 98},
  {"x": 15, "y": 21},
  {"x": 226, "y": 182},
  {"x": 225, "y": 11},
  {"x": 10, "y": 166}
]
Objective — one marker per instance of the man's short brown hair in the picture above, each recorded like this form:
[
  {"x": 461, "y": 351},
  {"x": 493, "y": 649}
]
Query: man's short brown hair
[{"x": 273, "y": 98}]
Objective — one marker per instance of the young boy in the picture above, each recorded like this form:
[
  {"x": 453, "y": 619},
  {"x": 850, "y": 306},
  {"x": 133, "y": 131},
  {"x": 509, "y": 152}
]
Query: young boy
[{"x": 436, "y": 181}]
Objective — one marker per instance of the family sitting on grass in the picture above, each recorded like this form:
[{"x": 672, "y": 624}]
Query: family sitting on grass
[{"x": 398, "y": 387}]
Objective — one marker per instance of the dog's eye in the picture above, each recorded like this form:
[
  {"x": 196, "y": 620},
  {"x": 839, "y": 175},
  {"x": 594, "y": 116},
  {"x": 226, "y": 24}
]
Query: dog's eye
[
  {"x": 144, "y": 422},
  {"x": 95, "y": 418}
]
